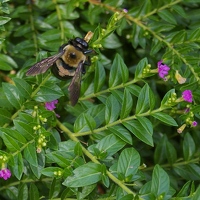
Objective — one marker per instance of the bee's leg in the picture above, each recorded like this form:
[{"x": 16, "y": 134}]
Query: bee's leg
[{"x": 86, "y": 63}]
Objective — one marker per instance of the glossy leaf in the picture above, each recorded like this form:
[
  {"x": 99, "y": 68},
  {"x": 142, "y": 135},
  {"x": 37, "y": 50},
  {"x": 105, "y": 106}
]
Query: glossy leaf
[
  {"x": 122, "y": 133},
  {"x": 5, "y": 116},
  {"x": 110, "y": 144},
  {"x": 33, "y": 192},
  {"x": 23, "y": 87},
  {"x": 100, "y": 77},
  {"x": 30, "y": 154},
  {"x": 84, "y": 175},
  {"x": 160, "y": 181},
  {"x": 18, "y": 167},
  {"x": 48, "y": 92},
  {"x": 146, "y": 100},
  {"x": 112, "y": 109},
  {"x": 7, "y": 63},
  {"x": 165, "y": 118},
  {"x": 128, "y": 163},
  {"x": 140, "y": 67},
  {"x": 84, "y": 122},
  {"x": 118, "y": 73},
  {"x": 127, "y": 104},
  {"x": 13, "y": 95},
  {"x": 140, "y": 131},
  {"x": 171, "y": 153}
]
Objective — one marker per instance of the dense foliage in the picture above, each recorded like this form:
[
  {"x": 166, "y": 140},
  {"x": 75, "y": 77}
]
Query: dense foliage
[{"x": 134, "y": 133}]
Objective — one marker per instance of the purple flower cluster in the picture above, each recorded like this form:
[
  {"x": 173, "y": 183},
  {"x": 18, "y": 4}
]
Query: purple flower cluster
[
  {"x": 187, "y": 96},
  {"x": 162, "y": 69},
  {"x": 51, "y": 105},
  {"x": 5, "y": 174}
]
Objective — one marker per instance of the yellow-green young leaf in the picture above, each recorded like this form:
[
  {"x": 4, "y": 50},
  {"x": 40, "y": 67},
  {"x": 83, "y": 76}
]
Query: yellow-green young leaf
[
  {"x": 128, "y": 163},
  {"x": 84, "y": 175},
  {"x": 160, "y": 181}
]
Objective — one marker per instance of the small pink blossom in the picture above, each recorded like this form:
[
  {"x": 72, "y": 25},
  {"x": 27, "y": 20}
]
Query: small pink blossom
[
  {"x": 51, "y": 105},
  {"x": 5, "y": 174},
  {"x": 162, "y": 69},
  {"x": 187, "y": 96}
]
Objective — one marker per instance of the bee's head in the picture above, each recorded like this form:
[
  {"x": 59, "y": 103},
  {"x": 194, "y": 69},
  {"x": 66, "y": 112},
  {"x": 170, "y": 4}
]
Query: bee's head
[{"x": 80, "y": 43}]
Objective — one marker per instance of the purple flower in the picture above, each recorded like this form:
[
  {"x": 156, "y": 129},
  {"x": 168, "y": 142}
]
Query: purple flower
[
  {"x": 5, "y": 174},
  {"x": 194, "y": 123},
  {"x": 162, "y": 69},
  {"x": 51, "y": 105},
  {"x": 187, "y": 96}
]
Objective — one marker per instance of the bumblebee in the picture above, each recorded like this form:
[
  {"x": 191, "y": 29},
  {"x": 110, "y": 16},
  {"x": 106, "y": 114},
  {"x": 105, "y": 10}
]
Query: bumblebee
[{"x": 70, "y": 62}]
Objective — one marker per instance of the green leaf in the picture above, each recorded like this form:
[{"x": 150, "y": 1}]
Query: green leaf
[
  {"x": 140, "y": 68},
  {"x": 160, "y": 154},
  {"x": 18, "y": 167},
  {"x": 23, "y": 191},
  {"x": 112, "y": 109},
  {"x": 4, "y": 20},
  {"x": 165, "y": 118},
  {"x": 119, "y": 72},
  {"x": 48, "y": 92},
  {"x": 33, "y": 192},
  {"x": 86, "y": 190},
  {"x": 100, "y": 76},
  {"x": 168, "y": 95},
  {"x": 25, "y": 129},
  {"x": 23, "y": 87},
  {"x": 49, "y": 171},
  {"x": 110, "y": 144},
  {"x": 122, "y": 133},
  {"x": 127, "y": 104},
  {"x": 140, "y": 131},
  {"x": 188, "y": 147},
  {"x": 160, "y": 181},
  {"x": 167, "y": 16},
  {"x": 146, "y": 100},
  {"x": 5, "y": 116},
  {"x": 184, "y": 190},
  {"x": 13, "y": 95},
  {"x": 156, "y": 46},
  {"x": 7, "y": 63},
  {"x": 84, "y": 122},
  {"x": 30, "y": 154},
  {"x": 171, "y": 153},
  {"x": 10, "y": 142},
  {"x": 188, "y": 171},
  {"x": 128, "y": 163},
  {"x": 146, "y": 124},
  {"x": 179, "y": 37},
  {"x": 84, "y": 175}
]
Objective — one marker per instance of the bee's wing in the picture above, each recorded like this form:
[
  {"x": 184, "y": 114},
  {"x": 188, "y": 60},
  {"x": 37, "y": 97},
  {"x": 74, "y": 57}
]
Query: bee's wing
[
  {"x": 74, "y": 87},
  {"x": 43, "y": 65}
]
